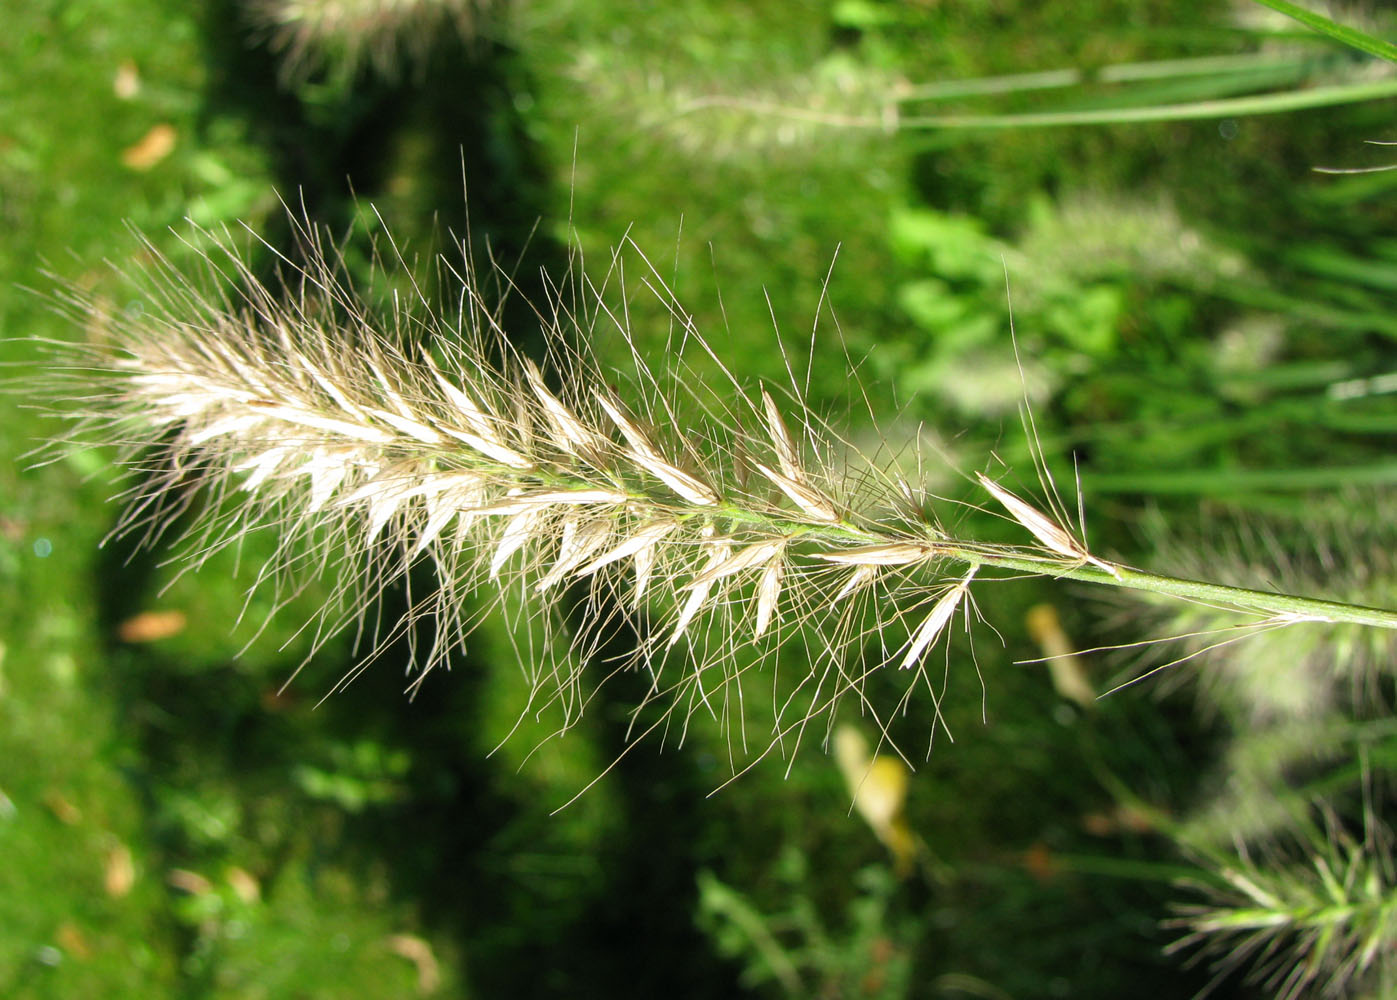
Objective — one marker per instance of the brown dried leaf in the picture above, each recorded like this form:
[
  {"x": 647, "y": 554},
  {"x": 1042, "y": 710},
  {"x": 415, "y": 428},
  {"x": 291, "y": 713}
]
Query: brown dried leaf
[
  {"x": 768, "y": 595},
  {"x": 418, "y": 951},
  {"x": 940, "y": 616},
  {"x": 894, "y": 554},
  {"x": 150, "y": 626},
  {"x": 63, "y": 810},
  {"x": 781, "y": 441},
  {"x": 72, "y": 940},
  {"x": 188, "y": 881},
  {"x": 1053, "y": 535},
  {"x": 806, "y": 497},
  {"x": 152, "y": 147}
]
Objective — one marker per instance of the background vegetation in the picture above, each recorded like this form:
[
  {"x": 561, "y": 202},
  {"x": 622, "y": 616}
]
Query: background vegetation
[{"x": 1205, "y": 324}]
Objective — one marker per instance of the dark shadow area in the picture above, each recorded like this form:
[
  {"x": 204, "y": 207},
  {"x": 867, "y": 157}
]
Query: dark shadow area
[
  {"x": 323, "y": 149},
  {"x": 336, "y": 147},
  {"x": 640, "y": 932},
  {"x": 532, "y": 918}
]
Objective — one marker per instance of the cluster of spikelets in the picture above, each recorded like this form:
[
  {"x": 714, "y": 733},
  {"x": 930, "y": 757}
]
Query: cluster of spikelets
[
  {"x": 344, "y": 35},
  {"x": 707, "y": 525},
  {"x": 1313, "y": 912},
  {"x": 791, "y": 119},
  {"x": 1323, "y": 924}
]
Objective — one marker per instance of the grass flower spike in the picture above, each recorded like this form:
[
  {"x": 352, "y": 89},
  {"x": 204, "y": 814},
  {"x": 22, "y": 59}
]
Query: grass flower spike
[
  {"x": 346, "y": 34},
  {"x": 705, "y": 524},
  {"x": 1317, "y": 925}
]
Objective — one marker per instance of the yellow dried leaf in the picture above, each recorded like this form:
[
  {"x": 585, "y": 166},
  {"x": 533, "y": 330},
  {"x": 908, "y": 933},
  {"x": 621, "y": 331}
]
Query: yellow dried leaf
[
  {"x": 244, "y": 885},
  {"x": 63, "y": 810},
  {"x": 152, "y": 147},
  {"x": 119, "y": 871},
  {"x": 149, "y": 626},
  {"x": 1066, "y": 668},
  {"x": 879, "y": 787},
  {"x": 419, "y": 952},
  {"x": 188, "y": 881},
  {"x": 126, "y": 84}
]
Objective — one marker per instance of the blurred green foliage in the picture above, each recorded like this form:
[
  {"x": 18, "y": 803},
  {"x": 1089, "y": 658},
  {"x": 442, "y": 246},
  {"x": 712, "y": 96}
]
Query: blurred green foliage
[{"x": 1198, "y": 317}]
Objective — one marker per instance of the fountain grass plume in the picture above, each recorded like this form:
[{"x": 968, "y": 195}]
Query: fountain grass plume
[
  {"x": 1319, "y": 921},
  {"x": 716, "y": 524},
  {"x": 342, "y": 36}
]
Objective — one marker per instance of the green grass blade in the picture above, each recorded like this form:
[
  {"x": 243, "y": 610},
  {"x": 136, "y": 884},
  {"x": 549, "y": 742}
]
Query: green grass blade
[
  {"x": 1360, "y": 40},
  {"x": 1165, "y": 69},
  {"x": 1248, "y": 65},
  {"x": 1184, "y": 90},
  {"x": 1219, "y": 481},
  {"x": 1012, "y": 83},
  {"x": 1263, "y": 104},
  {"x": 1331, "y": 262},
  {"x": 1302, "y": 308}
]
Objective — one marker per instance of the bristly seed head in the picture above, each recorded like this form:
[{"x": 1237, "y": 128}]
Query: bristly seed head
[{"x": 459, "y": 453}]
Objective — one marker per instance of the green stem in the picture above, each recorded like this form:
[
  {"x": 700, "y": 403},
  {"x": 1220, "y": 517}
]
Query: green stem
[
  {"x": 1258, "y": 104},
  {"x": 1218, "y": 68},
  {"x": 1213, "y": 593},
  {"x": 1261, "y": 104},
  {"x": 1123, "y": 576},
  {"x": 1018, "y": 560}
]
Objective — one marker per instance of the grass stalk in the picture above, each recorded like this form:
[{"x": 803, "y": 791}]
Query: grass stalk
[
  {"x": 1360, "y": 40},
  {"x": 712, "y": 521},
  {"x": 1159, "y": 91}
]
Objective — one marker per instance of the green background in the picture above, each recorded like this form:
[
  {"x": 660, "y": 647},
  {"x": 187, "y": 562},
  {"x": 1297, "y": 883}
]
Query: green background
[{"x": 1185, "y": 294}]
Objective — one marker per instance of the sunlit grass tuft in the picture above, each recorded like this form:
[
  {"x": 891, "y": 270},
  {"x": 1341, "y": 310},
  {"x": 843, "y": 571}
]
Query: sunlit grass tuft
[{"x": 700, "y": 527}]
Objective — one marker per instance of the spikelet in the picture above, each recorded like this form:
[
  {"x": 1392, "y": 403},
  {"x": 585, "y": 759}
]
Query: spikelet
[{"x": 1047, "y": 530}]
